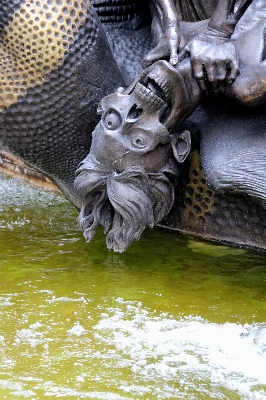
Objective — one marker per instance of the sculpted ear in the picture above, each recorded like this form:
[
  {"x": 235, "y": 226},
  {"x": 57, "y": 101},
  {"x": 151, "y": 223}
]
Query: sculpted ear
[{"x": 181, "y": 145}]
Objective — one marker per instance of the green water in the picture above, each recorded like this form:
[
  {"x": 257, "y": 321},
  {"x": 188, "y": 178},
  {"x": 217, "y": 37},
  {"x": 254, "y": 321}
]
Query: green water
[{"x": 172, "y": 318}]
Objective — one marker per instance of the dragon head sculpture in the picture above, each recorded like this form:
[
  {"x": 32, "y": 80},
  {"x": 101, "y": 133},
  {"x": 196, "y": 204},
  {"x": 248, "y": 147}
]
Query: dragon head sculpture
[{"x": 125, "y": 182}]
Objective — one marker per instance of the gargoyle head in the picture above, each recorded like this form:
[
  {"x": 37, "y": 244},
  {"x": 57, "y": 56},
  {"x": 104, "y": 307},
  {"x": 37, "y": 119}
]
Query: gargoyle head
[{"x": 125, "y": 181}]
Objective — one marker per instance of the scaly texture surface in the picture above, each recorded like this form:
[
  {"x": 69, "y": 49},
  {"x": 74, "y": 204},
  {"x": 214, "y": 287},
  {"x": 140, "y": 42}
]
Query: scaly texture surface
[{"x": 55, "y": 66}]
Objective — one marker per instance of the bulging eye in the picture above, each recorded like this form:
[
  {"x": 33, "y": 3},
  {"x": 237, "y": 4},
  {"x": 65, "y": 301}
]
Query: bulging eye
[
  {"x": 112, "y": 120},
  {"x": 138, "y": 141}
]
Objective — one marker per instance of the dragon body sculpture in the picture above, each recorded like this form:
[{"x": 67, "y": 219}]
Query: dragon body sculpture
[{"x": 55, "y": 66}]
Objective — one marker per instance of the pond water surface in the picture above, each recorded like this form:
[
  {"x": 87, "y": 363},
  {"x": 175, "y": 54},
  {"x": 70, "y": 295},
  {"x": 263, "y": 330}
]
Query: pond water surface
[{"x": 172, "y": 318}]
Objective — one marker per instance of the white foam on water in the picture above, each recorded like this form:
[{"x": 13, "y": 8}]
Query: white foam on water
[
  {"x": 189, "y": 350},
  {"x": 61, "y": 392},
  {"x": 18, "y": 193},
  {"x": 140, "y": 355},
  {"x": 26, "y": 394},
  {"x": 30, "y": 336},
  {"x": 55, "y": 299},
  {"x": 77, "y": 330},
  {"x": 18, "y": 199}
]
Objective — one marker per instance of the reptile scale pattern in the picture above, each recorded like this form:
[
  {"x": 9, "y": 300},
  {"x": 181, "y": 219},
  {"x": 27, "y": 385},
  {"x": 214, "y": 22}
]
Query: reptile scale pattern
[{"x": 55, "y": 66}]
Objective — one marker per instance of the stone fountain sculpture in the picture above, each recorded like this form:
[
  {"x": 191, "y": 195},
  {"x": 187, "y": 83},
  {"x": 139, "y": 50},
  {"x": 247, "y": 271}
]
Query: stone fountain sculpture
[{"x": 182, "y": 147}]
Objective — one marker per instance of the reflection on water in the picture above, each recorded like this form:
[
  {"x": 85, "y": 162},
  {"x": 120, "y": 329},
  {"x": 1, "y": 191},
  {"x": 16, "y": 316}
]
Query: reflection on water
[{"x": 172, "y": 318}]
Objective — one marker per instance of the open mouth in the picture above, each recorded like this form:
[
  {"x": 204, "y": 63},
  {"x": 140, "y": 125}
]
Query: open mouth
[
  {"x": 154, "y": 90},
  {"x": 150, "y": 95},
  {"x": 154, "y": 87},
  {"x": 158, "y": 85}
]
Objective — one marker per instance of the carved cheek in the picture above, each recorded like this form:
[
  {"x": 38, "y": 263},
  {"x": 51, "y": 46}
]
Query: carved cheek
[
  {"x": 106, "y": 146},
  {"x": 157, "y": 159}
]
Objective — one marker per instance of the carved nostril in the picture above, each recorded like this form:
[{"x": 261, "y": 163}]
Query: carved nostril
[{"x": 134, "y": 113}]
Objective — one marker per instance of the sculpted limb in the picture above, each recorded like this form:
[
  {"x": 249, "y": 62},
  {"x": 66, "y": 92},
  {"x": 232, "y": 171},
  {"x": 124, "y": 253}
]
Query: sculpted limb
[
  {"x": 218, "y": 62},
  {"x": 213, "y": 53},
  {"x": 250, "y": 89},
  {"x": 165, "y": 30},
  {"x": 250, "y": 86}
]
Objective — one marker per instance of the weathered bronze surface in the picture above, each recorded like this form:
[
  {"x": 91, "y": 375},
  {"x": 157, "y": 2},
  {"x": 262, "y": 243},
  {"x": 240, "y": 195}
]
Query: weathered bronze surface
[{"x": 58, "y": 61}]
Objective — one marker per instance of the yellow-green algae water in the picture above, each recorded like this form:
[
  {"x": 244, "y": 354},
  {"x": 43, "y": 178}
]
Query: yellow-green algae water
[{"x": 172, "y": 318}]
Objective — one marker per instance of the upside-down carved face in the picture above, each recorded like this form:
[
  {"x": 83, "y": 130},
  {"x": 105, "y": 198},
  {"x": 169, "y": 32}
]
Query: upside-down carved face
[{"x": 124, "y": 182}]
